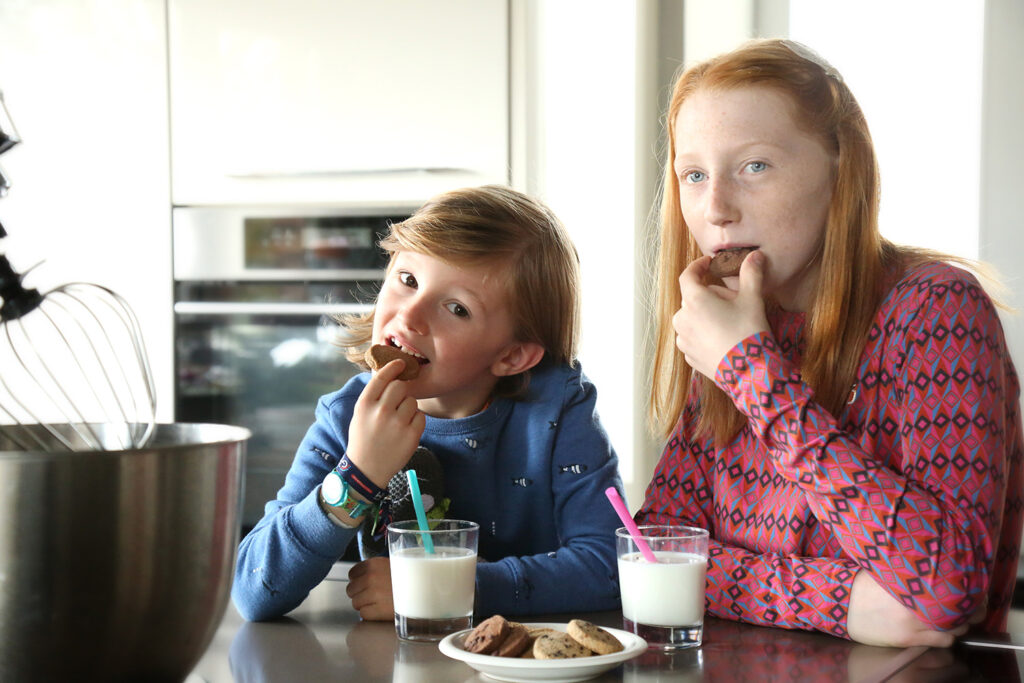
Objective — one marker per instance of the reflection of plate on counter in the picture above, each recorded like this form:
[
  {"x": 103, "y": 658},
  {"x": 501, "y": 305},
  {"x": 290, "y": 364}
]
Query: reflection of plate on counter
[{"x": 565, "y": 670}]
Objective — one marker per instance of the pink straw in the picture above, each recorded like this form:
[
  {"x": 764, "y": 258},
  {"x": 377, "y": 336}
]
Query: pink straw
[{"x": 627, "y": 521}]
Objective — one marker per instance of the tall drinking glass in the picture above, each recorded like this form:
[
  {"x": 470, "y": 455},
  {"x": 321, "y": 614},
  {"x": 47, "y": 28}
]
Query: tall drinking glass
[
  {"x": 663, "y": 602},
  {"x": 433, "y": 583}
]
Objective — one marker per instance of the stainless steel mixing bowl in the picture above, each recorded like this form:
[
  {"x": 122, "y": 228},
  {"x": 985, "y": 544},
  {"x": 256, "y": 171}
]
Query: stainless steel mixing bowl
[{"x": 117, "y": 565}]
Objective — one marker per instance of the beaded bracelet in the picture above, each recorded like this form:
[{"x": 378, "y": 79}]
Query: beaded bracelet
[{"x": 359, "y": 481}]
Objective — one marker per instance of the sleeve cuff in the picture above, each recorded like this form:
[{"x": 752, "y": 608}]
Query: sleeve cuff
[
  {"x": 313, "y": 527},
  {"x": 498, "y": 589}
]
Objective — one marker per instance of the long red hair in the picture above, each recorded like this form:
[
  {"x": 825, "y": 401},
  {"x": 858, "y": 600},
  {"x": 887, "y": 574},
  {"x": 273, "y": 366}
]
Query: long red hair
[{"x": 854, "y": 256}]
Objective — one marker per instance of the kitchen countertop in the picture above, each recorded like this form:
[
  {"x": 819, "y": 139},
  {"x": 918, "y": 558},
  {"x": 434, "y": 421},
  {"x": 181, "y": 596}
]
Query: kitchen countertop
[{"x": 324, "y": 640}]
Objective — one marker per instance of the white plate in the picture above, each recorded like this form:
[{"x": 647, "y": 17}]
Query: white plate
[{"x": 563, "y": 670}]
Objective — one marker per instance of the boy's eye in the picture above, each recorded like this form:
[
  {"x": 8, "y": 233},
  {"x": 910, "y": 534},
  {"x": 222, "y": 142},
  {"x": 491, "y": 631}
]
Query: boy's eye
[
  {"x": 407, "y": 279},
  {"x": 458, "y": 309},
  {"x": 756, "y": 166}
]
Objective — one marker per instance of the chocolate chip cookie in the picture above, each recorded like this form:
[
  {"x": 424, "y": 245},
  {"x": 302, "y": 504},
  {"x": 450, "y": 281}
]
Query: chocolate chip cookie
[
  {"x": 593, "y": 637},
  {"x": 558, "y": 646},
  {"x": 487, "y": 636}
]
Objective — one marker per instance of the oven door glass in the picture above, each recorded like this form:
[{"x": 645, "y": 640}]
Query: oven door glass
[{"x": 261, "y": 370}]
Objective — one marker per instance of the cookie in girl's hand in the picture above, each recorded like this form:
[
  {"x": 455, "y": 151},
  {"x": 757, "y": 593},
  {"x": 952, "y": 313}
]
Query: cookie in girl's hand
[
  {"x": 379, "y": 355},
  {"x": 726, "y": 263}
]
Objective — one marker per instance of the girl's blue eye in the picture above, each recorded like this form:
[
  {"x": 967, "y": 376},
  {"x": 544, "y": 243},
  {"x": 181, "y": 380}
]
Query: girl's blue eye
[
  {"x": 757, "y": 166},
  {"x": 694, "y": 176},
  {"x": 458, "y": 310},
  {"x": 407, "y": 279}
]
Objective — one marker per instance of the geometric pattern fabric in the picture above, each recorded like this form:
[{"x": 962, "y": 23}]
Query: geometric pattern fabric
[{"x": 919, "y": 480}]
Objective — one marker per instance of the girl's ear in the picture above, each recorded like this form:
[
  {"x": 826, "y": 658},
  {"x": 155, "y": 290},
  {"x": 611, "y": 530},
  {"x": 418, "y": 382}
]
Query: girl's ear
[{"x": 517, "y": 357}]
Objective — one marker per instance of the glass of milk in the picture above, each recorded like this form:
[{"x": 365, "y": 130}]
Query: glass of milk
[
  {"x": 663, "y": 601},
  {"x": 433, "y": 577}
]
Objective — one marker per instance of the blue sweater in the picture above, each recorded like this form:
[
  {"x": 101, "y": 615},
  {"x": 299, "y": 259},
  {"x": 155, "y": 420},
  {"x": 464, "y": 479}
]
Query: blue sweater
[{"x": 531, "y": 473}]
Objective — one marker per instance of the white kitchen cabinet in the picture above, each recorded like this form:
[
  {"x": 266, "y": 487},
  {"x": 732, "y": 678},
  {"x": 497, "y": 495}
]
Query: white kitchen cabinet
[{"x": 328, "y": 101}]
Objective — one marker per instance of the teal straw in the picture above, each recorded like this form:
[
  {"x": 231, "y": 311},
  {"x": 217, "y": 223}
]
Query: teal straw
[{"x": 421, "y": 515}]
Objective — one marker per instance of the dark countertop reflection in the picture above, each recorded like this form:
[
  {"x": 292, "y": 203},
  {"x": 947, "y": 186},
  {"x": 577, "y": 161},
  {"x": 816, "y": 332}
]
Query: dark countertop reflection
[{"x": 324, "y": 640}]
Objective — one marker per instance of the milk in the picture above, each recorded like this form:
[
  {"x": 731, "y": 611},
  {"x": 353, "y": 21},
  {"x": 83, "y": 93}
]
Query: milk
[
  {"x": 669, "y": 593},
  {"x": 433, "y": 586}
]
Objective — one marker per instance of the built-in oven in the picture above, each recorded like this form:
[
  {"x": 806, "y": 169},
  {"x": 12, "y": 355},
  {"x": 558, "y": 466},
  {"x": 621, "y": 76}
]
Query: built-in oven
[{"x": 255, "y": 292}]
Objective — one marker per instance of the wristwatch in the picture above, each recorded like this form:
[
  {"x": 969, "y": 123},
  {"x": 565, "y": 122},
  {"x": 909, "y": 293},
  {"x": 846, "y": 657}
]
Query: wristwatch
[{"x": 337, "y": 493}]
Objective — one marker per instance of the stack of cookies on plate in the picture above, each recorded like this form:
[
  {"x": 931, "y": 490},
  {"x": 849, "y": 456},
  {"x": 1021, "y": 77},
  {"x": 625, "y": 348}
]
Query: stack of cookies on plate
[{"x": 503, "y": 638}]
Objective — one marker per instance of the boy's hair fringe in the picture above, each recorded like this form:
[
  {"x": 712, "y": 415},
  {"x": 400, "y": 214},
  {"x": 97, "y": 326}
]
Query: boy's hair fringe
[{"x": 525, "y": 242}]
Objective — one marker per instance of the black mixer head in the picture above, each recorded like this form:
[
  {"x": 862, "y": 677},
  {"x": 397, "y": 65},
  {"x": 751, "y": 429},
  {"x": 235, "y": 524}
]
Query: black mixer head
[
  {"x": 8, "y": 134},
  {"x": 17, "y": 299}
]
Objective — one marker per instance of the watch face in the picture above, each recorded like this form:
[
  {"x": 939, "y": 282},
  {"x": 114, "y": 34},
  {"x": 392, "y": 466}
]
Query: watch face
[{"x": 332, "y": 488}]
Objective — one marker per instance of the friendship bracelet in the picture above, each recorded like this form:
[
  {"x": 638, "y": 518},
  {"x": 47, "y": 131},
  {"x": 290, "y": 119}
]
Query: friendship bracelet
[{"x": 359, "y": 481}]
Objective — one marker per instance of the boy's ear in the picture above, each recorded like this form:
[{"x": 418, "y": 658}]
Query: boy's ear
[{"x": 517, "y": 357}]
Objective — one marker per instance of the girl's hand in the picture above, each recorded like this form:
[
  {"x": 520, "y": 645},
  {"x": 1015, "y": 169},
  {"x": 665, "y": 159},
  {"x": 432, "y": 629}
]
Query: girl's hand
[
  {"x": 713, "y": 318},
  {"x": 369, "y": 588},
  {"x": 877, "y": 618},
  {"x": 386, "y": 426}
]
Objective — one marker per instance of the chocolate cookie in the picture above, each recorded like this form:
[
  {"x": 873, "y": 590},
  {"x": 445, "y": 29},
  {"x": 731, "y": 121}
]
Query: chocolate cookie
[
  {"x": 593, "y": 637},
  {"x": 558, "y": 646},
  {"x": 726, "y": 263},
  {"x": 487, "y": 636},
  {"x": 379, "y": 355},
  {"x": 517, "y": 640}
]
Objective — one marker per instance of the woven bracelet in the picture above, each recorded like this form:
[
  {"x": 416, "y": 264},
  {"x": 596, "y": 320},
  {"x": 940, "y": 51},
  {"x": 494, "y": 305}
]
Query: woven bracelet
[{"x": 359, "y": 481}]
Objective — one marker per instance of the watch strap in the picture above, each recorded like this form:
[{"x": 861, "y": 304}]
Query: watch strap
[
  {"x": 353, "y": 507},
  {"x": 337, "y": 493},
  {"x": 335, "y": 519}
]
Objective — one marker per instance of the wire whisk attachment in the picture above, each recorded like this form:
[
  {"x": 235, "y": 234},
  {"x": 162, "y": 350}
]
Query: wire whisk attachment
[{"x": 73, "y": 356}]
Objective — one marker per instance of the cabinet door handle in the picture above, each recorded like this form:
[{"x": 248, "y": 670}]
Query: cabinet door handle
[
  {"x": 344, "y": 173},
  {"x": 244, "y": 308}
]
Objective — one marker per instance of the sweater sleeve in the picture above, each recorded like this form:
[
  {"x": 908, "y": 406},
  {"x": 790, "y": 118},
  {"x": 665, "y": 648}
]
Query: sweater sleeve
[
  {"x": 581, "y": 574},
  {"x": 295, "y": 545},
  {"x": 924, "y": 524},
  {"x": 765, "y": 588}
]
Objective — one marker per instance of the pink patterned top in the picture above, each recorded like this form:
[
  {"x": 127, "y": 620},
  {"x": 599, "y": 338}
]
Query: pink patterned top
[{"x": 919, "y": 481}]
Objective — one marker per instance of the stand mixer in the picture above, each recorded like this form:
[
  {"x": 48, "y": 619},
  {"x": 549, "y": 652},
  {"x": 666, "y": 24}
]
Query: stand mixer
[{"x": 71, "y": 359}]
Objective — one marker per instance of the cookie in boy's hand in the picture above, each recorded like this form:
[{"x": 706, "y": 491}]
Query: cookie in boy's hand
[
  {"x": 379, "y": 355},
  {"x": 726, "y": 263}
]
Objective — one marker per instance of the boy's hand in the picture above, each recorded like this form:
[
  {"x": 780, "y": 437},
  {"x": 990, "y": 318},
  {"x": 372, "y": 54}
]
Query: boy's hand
[
  {"x": 713, "y": 318},
  {"x": 369, "y": 588},
  {"x": 386, "y": 426}
]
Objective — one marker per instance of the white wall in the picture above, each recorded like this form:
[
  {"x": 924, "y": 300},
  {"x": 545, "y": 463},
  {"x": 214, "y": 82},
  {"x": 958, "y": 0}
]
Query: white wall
[
  {"x": 85, "y": 83},
  {"x": 574, "y": 142},
  {"x": 1002, "y": 149}
]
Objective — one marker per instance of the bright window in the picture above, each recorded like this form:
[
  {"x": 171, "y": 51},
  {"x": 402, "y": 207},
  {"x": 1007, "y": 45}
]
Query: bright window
[{"x": 915, "y": 66}]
